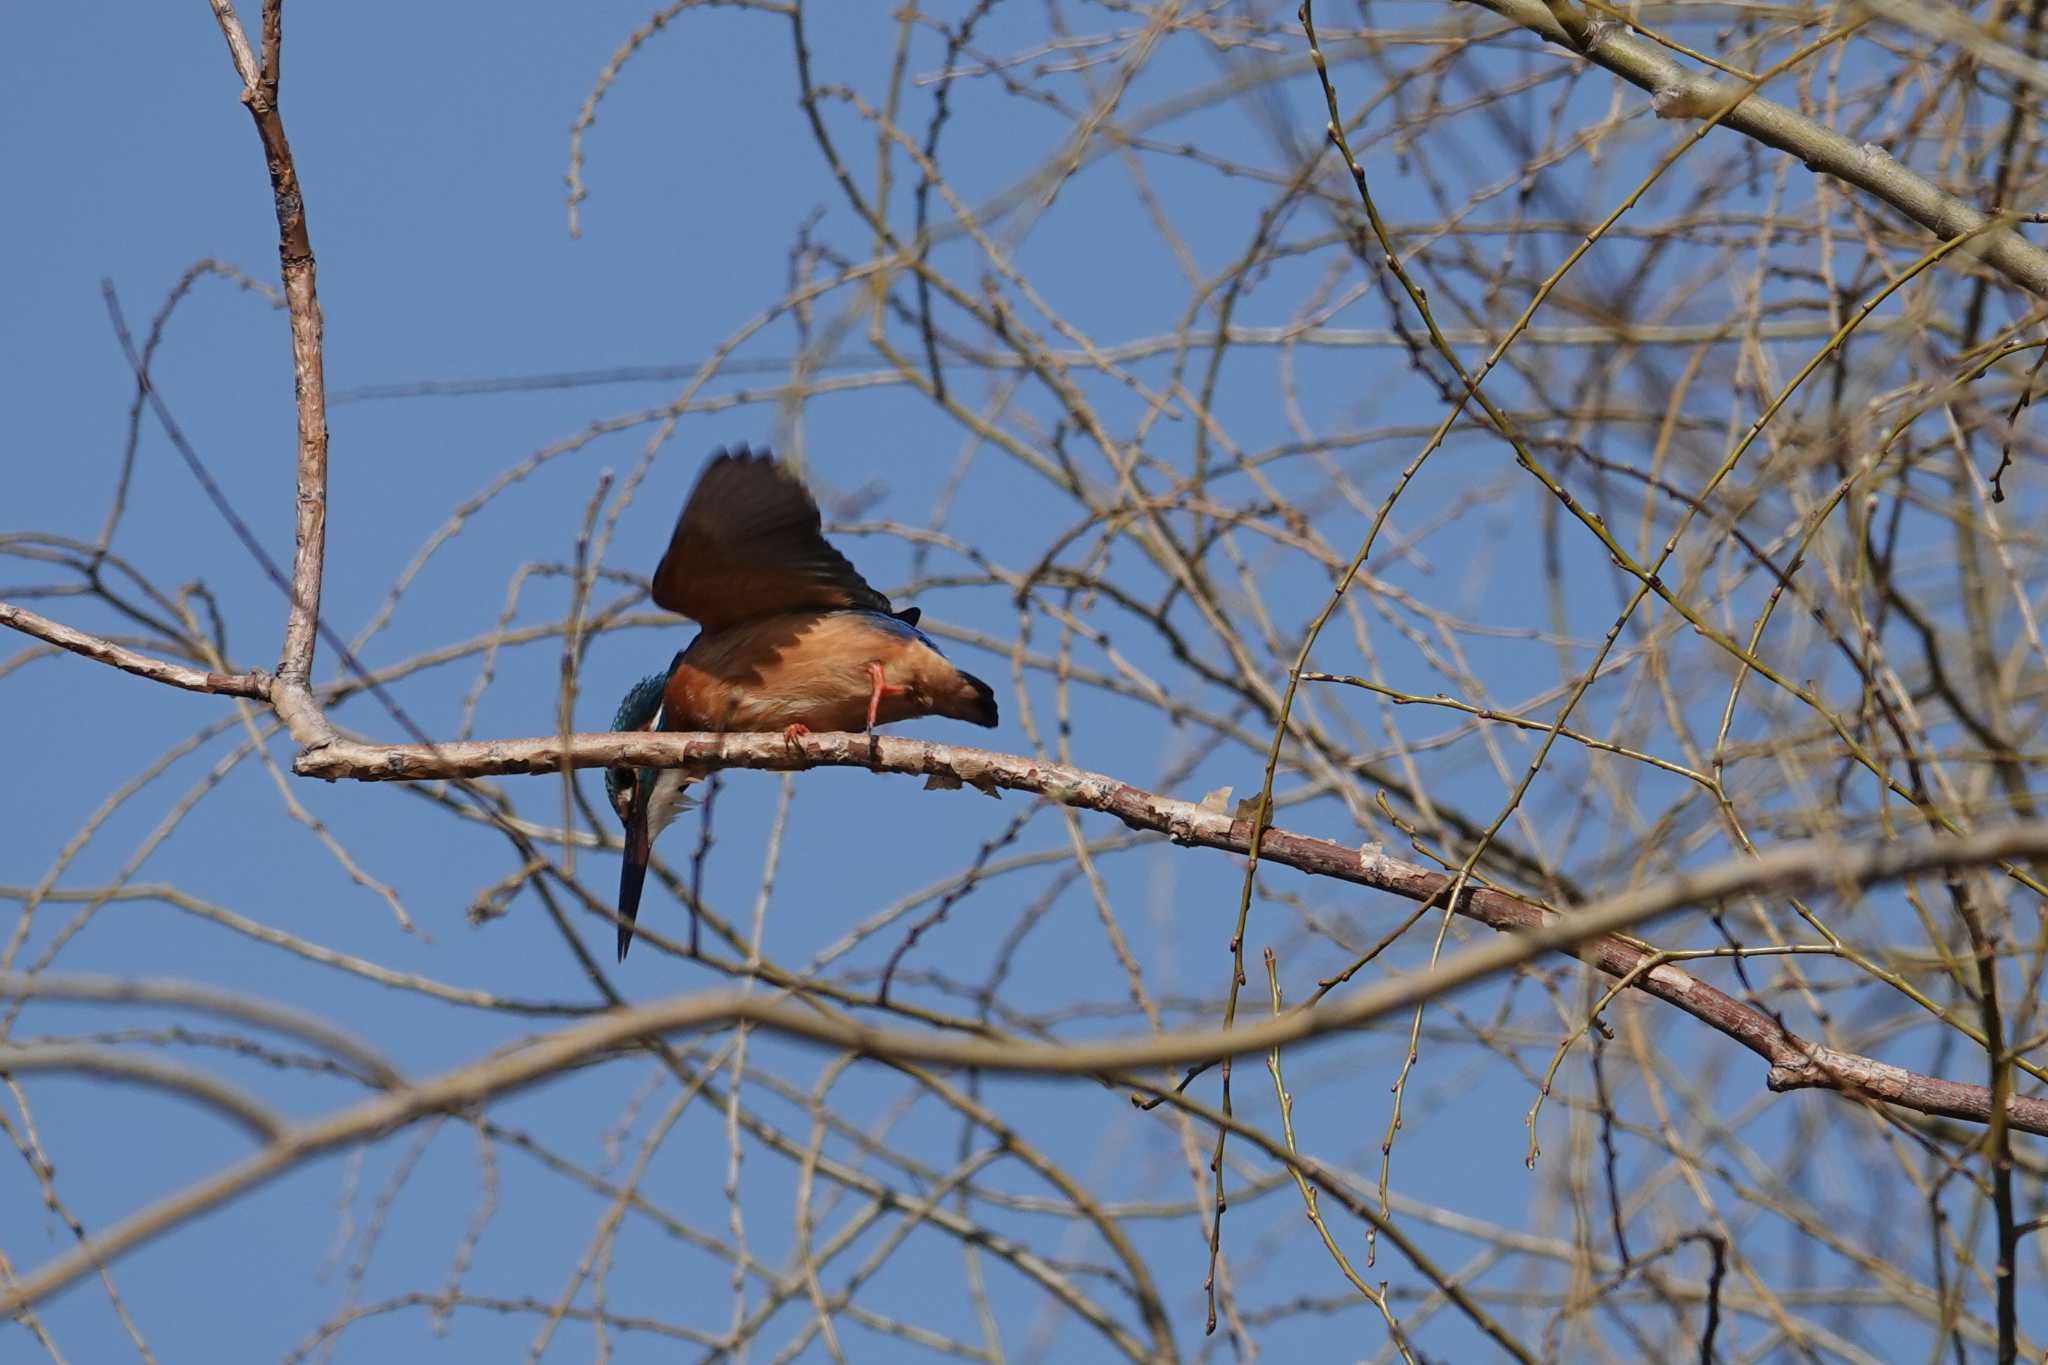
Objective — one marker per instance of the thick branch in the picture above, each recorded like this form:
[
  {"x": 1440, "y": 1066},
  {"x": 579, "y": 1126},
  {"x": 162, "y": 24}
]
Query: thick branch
[
  {"x": 302, "y": 299},
  {"x": 1588, "y": 934},
  {"x": 1790, "y": 868},
  {"x": 190, "y": 995},
  {"x": 1867, "y": 166},
  {"x": 253, "y": 685},
  {"x": 108, "y": 1063}
]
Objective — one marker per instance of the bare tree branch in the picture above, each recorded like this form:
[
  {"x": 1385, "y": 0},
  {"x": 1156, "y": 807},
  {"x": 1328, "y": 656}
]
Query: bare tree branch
[
  {"x": 1761, "y": 542},
  {"x": 1585, "y": 933},
  {"x": 302, "y": 300},
  {"x": 1869, "y": 167},
  {"x": 1784, "y": 869},
  {"x": 252, "y": 685},
  {"x": 17, "y": 1059}
]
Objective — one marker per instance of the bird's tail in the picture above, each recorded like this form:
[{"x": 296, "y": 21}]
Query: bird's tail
[{"x": 970, "y": 700}]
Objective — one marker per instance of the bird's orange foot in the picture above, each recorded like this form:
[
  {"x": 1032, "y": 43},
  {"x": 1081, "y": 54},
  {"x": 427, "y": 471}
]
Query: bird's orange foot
[
  {"x": 880, "y": 688},
  {"x": 792, "y": 733}
]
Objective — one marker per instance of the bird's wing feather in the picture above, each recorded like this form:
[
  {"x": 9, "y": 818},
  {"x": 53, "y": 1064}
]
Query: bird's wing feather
[{"x": 750, "y": 544}]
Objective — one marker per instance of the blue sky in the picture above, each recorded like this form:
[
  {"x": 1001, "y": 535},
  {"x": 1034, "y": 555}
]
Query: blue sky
[{"x": 432, "y": 142}]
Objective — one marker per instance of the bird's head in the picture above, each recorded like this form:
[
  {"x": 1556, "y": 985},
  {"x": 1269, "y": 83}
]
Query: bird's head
[{"x": 637, "y": 711}]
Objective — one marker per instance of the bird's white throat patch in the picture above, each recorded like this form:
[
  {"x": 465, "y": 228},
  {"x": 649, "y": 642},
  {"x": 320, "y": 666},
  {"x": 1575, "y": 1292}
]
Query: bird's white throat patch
[{"x": 665, "y": 801}]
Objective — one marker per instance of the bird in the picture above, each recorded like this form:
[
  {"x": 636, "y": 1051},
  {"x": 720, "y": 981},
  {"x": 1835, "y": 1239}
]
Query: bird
[{"x": 791, "y": 638}]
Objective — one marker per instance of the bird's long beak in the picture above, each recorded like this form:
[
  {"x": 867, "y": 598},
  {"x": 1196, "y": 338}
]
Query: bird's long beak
[{"x": 633, "y": 871}]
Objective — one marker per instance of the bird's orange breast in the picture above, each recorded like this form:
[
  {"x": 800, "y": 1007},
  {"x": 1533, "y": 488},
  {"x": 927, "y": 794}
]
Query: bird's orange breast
[{"x": 800, "y": 668}]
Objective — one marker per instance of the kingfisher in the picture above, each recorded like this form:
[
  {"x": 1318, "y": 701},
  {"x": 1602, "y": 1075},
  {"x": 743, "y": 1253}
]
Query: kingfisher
[{"x": 792, "y": 638}]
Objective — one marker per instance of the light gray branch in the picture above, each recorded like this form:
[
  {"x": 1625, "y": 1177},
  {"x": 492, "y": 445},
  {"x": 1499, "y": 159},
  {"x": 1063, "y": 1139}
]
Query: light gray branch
[
  {"x": 1868, "y": 167},
  {"x": 112, "y": 1063},
  {"x": 191, "y": 995},
  {"x": 252, "y": 685},
  {"x": 1794, "y": 867}
]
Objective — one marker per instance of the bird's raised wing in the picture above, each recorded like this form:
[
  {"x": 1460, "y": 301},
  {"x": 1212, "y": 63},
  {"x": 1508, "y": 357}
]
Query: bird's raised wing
[{"x": 750, "y": 544}]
